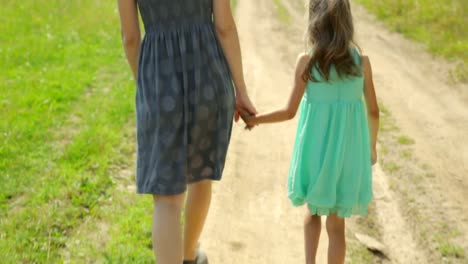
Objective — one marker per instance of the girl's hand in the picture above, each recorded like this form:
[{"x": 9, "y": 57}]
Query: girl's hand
[
  {"x": 374, "y": 156},
  {"x": 244, "y": 106},
  {"x": 248, "y": 119}
]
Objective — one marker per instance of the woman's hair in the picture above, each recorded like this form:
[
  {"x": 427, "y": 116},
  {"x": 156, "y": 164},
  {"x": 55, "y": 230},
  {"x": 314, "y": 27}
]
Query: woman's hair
[{"x": 330, "y": 33}]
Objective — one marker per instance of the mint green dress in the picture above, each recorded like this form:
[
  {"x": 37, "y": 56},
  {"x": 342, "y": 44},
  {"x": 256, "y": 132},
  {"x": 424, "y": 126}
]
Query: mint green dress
[{"x": 331, "y": 163}]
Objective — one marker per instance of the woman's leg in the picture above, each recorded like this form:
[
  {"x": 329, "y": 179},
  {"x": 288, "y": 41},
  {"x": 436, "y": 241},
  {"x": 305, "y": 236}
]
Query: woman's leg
[
  {"x": 337, "y": 243},
  {"x": 167, "y": 230},
  {"x": 312, "y": 228},
  {"x": 196, "y": 210}
]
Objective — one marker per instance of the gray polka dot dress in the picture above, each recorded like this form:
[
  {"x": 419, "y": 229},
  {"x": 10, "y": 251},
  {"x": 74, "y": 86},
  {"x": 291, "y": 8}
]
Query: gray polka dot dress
[{"x": 185, "y": 97}]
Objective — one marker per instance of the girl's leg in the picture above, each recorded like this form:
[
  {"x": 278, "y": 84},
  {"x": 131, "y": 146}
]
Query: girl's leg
[
  {"x": 167, "y": 231},
  {"x": 337, "y": 243},
  {"x": 196, "y": 210},
  {"x": 312, "y": 228}
]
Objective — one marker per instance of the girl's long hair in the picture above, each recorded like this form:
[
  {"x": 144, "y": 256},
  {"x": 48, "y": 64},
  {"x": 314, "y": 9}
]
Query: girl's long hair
[{"x": 330, "y": 33}]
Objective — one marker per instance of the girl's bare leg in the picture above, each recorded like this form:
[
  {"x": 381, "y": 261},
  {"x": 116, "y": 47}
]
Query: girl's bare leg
[
  {"x": 196, "y": 210},
  {"x": 312, "y": 229},
  {"x": 337, "y": 243}
]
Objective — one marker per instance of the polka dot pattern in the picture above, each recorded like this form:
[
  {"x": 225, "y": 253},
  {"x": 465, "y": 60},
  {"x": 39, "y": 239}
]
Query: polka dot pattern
[{"x": 185, "y": 97}]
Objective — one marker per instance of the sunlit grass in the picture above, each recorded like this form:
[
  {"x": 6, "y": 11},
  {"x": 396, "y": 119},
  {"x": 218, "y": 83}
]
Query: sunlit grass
[
  {"x": 233, "y": 4},
  {"x": 282, "y": 13},
  {"x": 67, "y": 98},
  {"x": 441, "y": 25}
]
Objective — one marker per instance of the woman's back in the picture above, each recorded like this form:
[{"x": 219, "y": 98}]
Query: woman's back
[
  {"x": 185, "y": 105},
  {"x": 163, "y": 15},
  {"x": 185, "y": 96}
]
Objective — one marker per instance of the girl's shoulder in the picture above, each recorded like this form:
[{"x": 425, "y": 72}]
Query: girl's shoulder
[
  {"x": 304, "y": 58},
  {"x": 356, "y": 53},
  {"x": 302, "y": 62}
]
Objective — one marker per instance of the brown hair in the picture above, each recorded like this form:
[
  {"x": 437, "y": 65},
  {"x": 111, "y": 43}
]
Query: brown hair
[{"x": 330, "y": 33}]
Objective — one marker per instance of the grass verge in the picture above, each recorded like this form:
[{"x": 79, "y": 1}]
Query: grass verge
[
  {"x": 411, "y": 181},
  {"x": 282, "y": 13},
  {"x": 67, "y": 98},
  {"x": 368, "y": 225},
  {"x": 441, "y": 25},
  {"x": 234, "y": 5}
]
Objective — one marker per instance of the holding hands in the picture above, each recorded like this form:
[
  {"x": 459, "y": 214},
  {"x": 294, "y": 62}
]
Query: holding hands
[
  {"x": 245, "y": 110},
  {"x": 249, "y": 120}
]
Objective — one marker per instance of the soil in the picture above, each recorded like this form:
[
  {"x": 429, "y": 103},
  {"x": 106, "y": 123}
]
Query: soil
[{"x": 251, "y": 219}]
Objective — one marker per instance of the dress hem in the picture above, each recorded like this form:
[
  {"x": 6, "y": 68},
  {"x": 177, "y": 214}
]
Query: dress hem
[{"x": 342, "y": 212}]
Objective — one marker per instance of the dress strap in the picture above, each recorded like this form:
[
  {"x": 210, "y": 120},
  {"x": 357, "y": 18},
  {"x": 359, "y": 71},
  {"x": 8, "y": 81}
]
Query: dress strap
[{"x": 356, "y": 55}]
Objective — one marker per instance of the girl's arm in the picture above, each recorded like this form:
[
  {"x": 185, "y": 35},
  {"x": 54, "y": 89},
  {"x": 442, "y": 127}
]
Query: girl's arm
[
  {"x": 372, "y": 106},
  {"x": 130, "y": 31},
  {"x": 226, "y": 32},
  {"x": 289, "y": 111}
]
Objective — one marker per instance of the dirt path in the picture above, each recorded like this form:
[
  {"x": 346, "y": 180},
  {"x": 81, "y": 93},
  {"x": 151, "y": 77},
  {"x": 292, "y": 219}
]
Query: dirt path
[
  {"x": 251, "y": 219},
  {"x": 400, "y": 243},
  {"x": 427, "y": 108}
]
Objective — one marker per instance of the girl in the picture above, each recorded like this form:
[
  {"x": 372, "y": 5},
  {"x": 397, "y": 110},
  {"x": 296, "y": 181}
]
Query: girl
[
  {"x": 185, "y": 105},
  {"x": 335, "y": 142}
]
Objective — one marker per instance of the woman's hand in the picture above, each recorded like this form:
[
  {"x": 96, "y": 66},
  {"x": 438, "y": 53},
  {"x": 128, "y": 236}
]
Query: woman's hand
[
  {"x": 244, "y": 109},
  {"x": 249, "y": 119},
  {"x": 373, "y": 156},
  {"x": 244, "y": 106}
]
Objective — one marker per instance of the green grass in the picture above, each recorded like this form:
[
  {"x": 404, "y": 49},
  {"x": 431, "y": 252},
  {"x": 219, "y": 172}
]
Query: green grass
[
  {"x": 67, "y": 98},
  {"x": 357, "y": 253},
  {"x": 282, "y": 13},
  {"x": 450, "y": 250},
  {"x": 404, "y": 140},
  {"x": 411, "y": 181},
  {"x": 441, "y": 25},
  {"x": 406, "y": 154},
  {"x": 391, "y": 167},
  {"x": 233, "y": 4},
  {"x": 446, "y": 242}
]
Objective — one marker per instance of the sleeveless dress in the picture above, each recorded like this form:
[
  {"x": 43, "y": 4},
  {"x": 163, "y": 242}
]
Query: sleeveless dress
[
  {"x": 185, "y": 97},
  {"x": 331, "y": 162}
]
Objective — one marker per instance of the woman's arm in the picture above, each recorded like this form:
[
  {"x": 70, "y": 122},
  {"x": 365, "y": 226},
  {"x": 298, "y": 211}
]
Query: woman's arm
[
  {"x": 373, "y": 114},
  {"x": 226, "y": 31},
  {"x": 130, "y": 30},
  {"x": 289, "y": 111}
]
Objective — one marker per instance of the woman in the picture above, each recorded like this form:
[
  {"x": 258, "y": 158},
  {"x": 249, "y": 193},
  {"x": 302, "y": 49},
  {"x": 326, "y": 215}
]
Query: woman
[{"x": 184, "y": 67}]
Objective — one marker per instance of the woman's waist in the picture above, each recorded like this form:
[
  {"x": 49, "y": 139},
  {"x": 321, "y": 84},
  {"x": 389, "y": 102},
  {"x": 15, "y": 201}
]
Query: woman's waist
[{"x": 178, "y": 25}]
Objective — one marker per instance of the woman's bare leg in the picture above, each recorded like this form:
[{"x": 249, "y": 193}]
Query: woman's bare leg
[
  {"x": 196, "y": 210},
  {"x": 167, "y": 230}
]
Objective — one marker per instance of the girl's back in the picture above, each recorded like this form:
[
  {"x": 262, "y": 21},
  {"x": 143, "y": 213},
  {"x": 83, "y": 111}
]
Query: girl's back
[
  {"x": 337, "y": 129},
  {"x": 330, "y": 169},
  {"x": 348, "y": 89}
]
